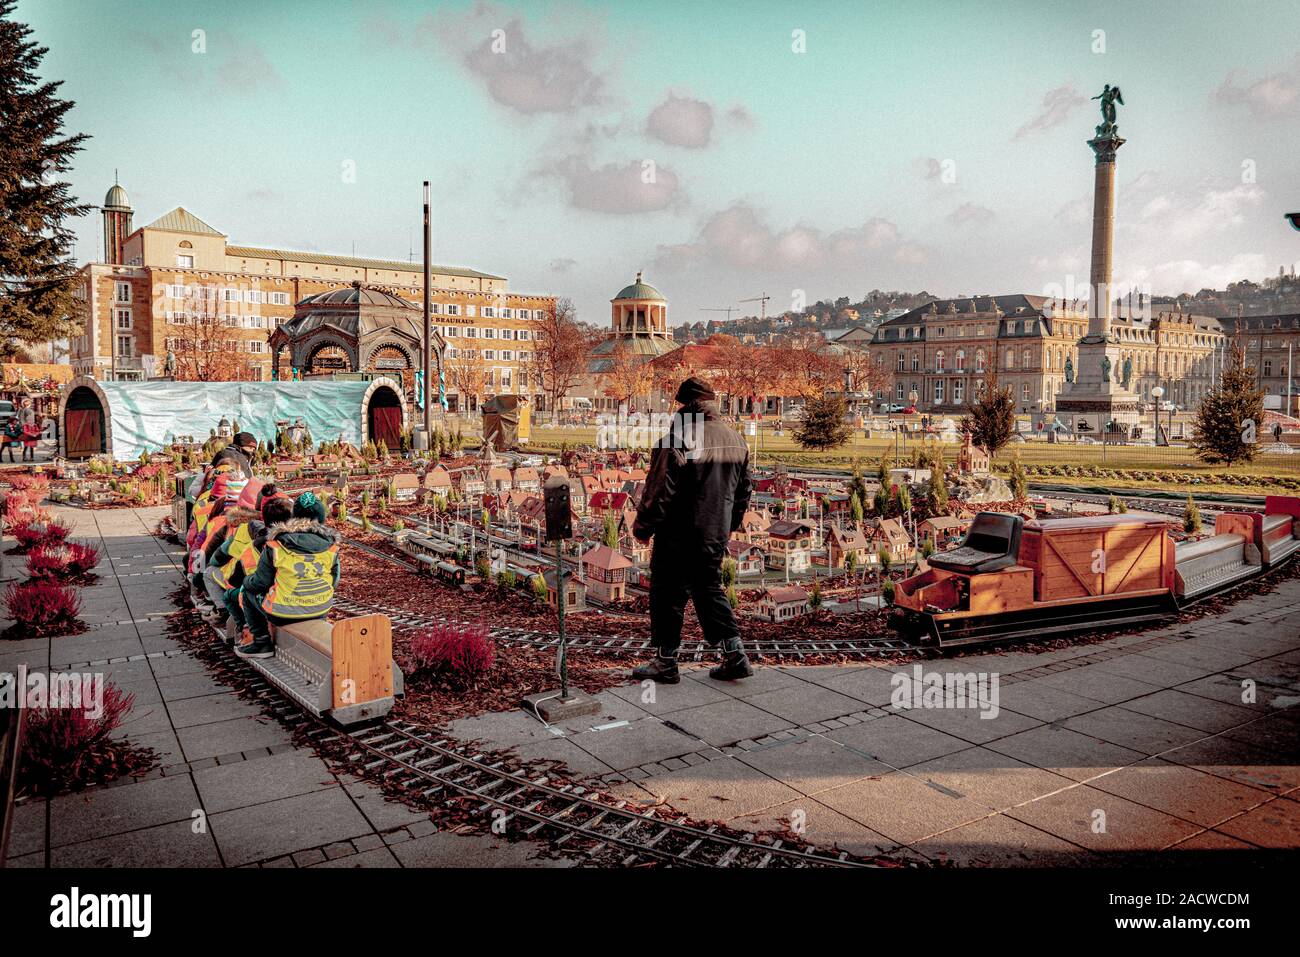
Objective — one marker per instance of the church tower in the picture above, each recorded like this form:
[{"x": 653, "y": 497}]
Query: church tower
[{"x": 117, "y": 223}]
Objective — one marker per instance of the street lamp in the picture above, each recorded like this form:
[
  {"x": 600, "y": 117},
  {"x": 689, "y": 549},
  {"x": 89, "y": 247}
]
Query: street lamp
[{"x": 1156, "y": 393}]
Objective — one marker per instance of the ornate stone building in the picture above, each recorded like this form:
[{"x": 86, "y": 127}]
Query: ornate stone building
[
  {"x": 946, "y": 350},
  {"x": 155, "y": 276},
  {"x": 638, "y": 319}
]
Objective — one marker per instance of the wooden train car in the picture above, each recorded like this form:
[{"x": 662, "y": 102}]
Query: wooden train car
[
  {"x": 1010, "y": 578},
  {"x": 450, "y": 573},
  {"x": 342, "y": 670}
]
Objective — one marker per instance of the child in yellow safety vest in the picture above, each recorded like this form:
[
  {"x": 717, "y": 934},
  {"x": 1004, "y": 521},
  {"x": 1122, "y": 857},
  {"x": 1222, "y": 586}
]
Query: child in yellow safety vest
[
  {"x": 297, "y": 573},
  {"x": 226, "y": 531},
  {"x": 244, "y": 551}
]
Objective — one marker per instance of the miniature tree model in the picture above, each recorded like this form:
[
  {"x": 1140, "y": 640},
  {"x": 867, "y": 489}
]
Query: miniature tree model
[
  {"x": 992, "y": 419},
  {"x": 1191, "y": 517}
]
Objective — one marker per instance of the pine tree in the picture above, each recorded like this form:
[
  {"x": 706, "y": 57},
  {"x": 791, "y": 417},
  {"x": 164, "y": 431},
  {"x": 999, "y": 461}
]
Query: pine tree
[
  {"x": 856, "y": 485},
  {"x": 823, "y": 425},
  {"x": 1019, "y": 484},
  {"x": 815, "y": 597},
  {"x": 1229, "y": 417},
  {"x": 1191, "y": 516},
  {"x": 609, "y": 534},
  {"x": 936, "y": 498},
  {"x": 855, "y": 508},
  {"x": 992, "y": 419},
  {"x": 38, "y": 273}
]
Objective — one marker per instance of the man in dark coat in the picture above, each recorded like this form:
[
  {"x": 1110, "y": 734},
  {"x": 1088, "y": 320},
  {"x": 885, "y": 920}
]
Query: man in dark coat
[
  {"x": 695, "y": 496},
  {"x": 238, "y": 455}
]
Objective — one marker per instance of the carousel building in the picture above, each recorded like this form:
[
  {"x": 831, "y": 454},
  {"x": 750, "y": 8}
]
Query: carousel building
[{"x": 356, "y": 329}]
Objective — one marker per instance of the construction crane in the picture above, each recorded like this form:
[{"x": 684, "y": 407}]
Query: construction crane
[
  {"x": 729, "y": 310},
  {"x": 763, "y": 304}
]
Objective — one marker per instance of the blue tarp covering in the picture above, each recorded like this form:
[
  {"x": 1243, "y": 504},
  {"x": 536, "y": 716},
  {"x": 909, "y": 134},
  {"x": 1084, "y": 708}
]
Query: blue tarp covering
[{"x": 145, "y": 416}]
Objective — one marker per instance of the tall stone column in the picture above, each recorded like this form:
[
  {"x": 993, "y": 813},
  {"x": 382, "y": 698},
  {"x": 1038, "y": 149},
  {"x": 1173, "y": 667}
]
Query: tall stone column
[{"x": 1103, "y": 236}]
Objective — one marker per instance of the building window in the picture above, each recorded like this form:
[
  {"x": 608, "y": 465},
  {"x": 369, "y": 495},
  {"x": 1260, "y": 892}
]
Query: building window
[
  {"x": 489, "y": 312},
  {"x": 507, "y": 333},
  {"x": 471, "y": 332},
  {"x": 436, "y": 308},
  {"x": 902, "y": 361},
  {"x": 489, "y": 333},
  {"x": 124, "y": 344},
  {"x": 938, "y": 392},
  {"x": 121, "y": 292},
  {"x": 122, "y": 319},
  {"x": 453, "y": 309},
  {"x": 958, "y": 391},
  {"x": 184, "y": 262},
  {"x": 916, "y": 362},
  {"x": 507, "y": 313},
  {"x": 960, "y": 366},
  {"x": 1011, "y": 358},
  {"x": 489, "y": 354},
  {"x": 279, "y": 298},
  {"x": 898, "y": 392},
  {"x": 523, "y": 334},
  {"x": 1024, "y": 392},
  {"x": 1025, "y": 359},
  {"x": 979, "y": 360},
  {"x": 507, "y": 355},
  {"x": 938, "y": 361}
]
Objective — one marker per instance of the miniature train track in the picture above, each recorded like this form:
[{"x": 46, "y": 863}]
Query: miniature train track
[
  {"x": 624, "y": 644},
  {"x": 564, "y": 814}
]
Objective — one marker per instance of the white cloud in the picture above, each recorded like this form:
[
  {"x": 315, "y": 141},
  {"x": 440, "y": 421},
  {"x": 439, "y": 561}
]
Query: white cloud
[
  {"x": 681, "y": 121},
  {"x": 971, "y": 214},
  {"x": 616, "y": 189},
  {"x": 1056, "y": 107},
  {"x": 1271, "y": 96}
]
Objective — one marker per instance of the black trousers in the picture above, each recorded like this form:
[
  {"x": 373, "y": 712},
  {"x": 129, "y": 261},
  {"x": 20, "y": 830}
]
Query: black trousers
[{"x": 678, "y": 572}]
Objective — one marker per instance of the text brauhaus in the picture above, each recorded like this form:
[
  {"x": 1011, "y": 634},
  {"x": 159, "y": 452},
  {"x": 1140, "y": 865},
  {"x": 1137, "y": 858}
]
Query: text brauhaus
[{"x": 938, "y": 689}]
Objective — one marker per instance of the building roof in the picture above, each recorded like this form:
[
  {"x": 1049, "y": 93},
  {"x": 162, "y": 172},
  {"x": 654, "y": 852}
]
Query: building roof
[
  {"x": 356, "y": 311},
  {"x": 602, "y": 556},
  {"x": 784, "y": 593},
  {"x": 640, "y": 290},
  {"x": 785, "y": 529},
  {"x": 181, "y": 220},
  {"x": 116, "y": 198},
  {"x": 255, "y": 252}
]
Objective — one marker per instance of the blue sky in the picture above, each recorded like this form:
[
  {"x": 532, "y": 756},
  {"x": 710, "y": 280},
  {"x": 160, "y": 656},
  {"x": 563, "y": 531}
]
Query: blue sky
[{"x": 911, "y": 144}]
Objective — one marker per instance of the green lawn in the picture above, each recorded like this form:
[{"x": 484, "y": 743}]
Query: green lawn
[{"x": 1172, "y": 468}]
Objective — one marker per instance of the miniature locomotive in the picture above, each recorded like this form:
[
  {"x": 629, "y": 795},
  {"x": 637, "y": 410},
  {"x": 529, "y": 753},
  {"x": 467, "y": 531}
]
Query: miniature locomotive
[{"x": 1011, "y": 578}]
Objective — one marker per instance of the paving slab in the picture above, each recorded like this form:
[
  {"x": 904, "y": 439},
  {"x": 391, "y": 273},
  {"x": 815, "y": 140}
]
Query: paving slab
[
  {"x": 100, "y": 812},
  {"x": 721, "y": 789},
  {"x": 1181, "y": 791},
  {"x": 166, "y": 845},
  {"x": 820, "y": 825},
  {"x": 995, "y": 780},
  {"x": 1272, "y": 825},
  {"x": 1065, "y": 752},
  {"x": 903, "y": 807},
  {"x": 641, "y": 742},
  {"x": 290, "y": 824},
  {"x": 898, "y": 741},
  {"x": 229, "y": 737},
  {"x": 1002, "y": 841},
  {"x": 223, "y": 787},
  {"x": 812, "y": 764},
  {"x": 1103, "y": 822},
  {"x": 726, "y": 722},
  {"x": 455, "y": 850}
]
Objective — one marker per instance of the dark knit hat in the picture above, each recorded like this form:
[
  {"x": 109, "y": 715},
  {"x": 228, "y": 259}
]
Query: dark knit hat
[
  {"x": 244, "y": 439},
  {"x": 694, "y": 389},
  {"x": 308, "y": 506}
]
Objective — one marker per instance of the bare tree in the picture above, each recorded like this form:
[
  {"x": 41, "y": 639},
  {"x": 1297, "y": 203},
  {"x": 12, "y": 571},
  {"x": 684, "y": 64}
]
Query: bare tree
[
  {"x": 563, "y": 347},
  {"x": 627, "y": 377},
  {"x": 207, "y": 346},
  {"x": 467, "y": 374}
]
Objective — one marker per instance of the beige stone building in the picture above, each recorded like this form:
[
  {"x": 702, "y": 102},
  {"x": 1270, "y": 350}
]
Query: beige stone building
[
  {"x": 155, "y": 276},
  {"x": 944, "y": 351}
]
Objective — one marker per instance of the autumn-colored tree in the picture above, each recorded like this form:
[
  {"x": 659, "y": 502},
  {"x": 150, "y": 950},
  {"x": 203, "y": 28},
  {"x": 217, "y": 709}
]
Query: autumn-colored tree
[
  {"x": 992, "y": 419},
  {"x": 563, "y": 347},
  {"x": 747, "y": 371},
  {"x": 627, "y": 376},
  {"x": 467, "y": 373},
  {"x": 207, "y": 346}
]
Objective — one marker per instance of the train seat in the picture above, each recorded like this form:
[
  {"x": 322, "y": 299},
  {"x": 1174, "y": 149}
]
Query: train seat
[{"x": 992, "y": 543}]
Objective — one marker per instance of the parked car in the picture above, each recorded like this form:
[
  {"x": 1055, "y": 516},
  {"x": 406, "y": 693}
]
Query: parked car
[{"x": 7, "y": 411}]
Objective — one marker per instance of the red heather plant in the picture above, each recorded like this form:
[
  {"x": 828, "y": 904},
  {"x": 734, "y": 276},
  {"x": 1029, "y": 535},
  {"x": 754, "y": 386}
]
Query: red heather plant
[
  {"x": 461, "y": 653},
  {"x": 39, "y": 532},
  {"x": 66, "y": 738},
  {"x": 82, "y": 557},
  {"x": 49, "y": 561},
  {"x": 41, "y": 608}
]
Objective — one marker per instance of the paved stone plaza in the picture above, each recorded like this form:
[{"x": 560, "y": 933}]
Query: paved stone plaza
[
  {"x": 265, "y": 801},
  {"x": 1098, "y": 753}
]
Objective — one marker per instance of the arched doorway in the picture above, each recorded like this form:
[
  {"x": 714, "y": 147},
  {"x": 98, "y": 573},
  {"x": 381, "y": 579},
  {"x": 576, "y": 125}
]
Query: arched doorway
[
  {"x": 83, "y": 423},
  {"x": 384, "y": 415}
]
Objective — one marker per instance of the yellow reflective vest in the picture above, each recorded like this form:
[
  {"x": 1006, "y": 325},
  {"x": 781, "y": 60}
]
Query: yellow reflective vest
[
  {"x": 242, "y": 552},
  {"x": 304, "y": 584}
]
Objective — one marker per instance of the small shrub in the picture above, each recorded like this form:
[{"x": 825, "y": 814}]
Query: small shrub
[
  {"x": 42, "y": 608},
  {"x": 39, "y": 532},
  {"x": 84, "y": 557},
  {"x": 66, "y": 739},
  {"x": 49, "y": 561},
  {"x": 539, "y": 588},
  {"x": 887, "y": 592},
  {"x": 462, "y": 654}
]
